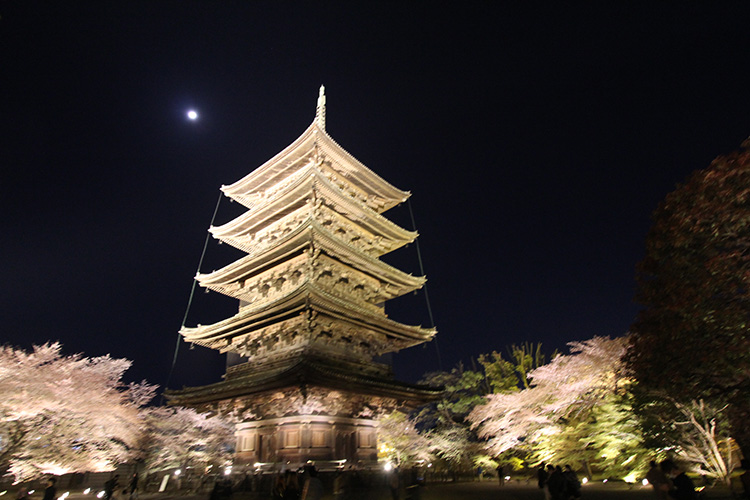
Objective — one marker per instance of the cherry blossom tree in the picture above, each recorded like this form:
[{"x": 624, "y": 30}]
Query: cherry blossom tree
[
  {"x": 182, "y": 437},
  {"x": 450, "y": 435},
  {"x": 399, "y": 441},
  {"x": 576, "y": 407},
  {"x": 62, "y": 414}
]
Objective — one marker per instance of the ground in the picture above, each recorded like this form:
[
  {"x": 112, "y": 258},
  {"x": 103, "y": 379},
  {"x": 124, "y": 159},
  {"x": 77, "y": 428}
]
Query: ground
[
  {"x": 515, "y": 491},
  {"x": 487, "y": 490}
]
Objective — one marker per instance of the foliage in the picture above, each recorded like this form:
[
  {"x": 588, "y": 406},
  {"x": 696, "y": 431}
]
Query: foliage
[
  {"x": 486, "y": 462},
  {"x": 706, "y": 442},
  {"x": 499, "y": 374},
  {"x": 443, "y": 421},
  {"x": 63, "y": 414},
  {"x": 182, "y": 437},
  {"x": 692, "y": 339},
  {"x": 576, "y": 409},
  {"x": 455, "y": 444},
  {"x": 399, "y": 441},
  {"x": 450, "y": 435},
  {"x": 462, "y": 390},
  {"x": 699, "y": 435},
  {"x": 604, "y": 438},
  {"x": 509, "y": 376}
]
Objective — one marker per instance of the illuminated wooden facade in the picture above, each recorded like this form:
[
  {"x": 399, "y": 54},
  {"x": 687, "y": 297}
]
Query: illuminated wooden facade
[{"x": 311, "y": 320}]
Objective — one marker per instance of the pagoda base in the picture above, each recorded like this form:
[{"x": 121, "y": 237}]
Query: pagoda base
[
  {"x": 306, "y": 408},
  {"x": 302, "y": 438}
]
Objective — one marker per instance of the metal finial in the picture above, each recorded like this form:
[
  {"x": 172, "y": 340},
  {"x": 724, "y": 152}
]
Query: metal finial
[{"x": 320, "y": 111}]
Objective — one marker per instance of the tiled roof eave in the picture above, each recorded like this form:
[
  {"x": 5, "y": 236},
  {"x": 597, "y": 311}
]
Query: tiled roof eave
[
  {"x": 309, "y": 373},
  {"x": 296, "y": 193},
  {"x": 299, "y": 239},
  {"x": 306, "y": 296},
  {"x": 299, "y": 148}
]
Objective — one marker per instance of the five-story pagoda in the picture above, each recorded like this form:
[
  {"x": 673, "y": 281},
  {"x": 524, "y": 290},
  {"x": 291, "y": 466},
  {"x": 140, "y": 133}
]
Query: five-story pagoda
[{"x": 311, "y": 318}]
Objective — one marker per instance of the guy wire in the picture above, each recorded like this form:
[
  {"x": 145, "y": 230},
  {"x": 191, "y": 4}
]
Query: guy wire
[
  {"x": 192, "y": 293},
  {"x": 426, "y": 295}
]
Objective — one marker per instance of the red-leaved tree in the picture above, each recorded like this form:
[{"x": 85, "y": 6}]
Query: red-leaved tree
[{"x": 692, "y": 339}]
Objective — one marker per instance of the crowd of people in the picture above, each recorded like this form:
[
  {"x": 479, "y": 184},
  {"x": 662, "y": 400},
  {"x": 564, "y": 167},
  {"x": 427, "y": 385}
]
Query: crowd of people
[
  {"x": 670, "y": 481},
  {"x": 288, "y": 486},
  {"x": 558, "y": 483}
]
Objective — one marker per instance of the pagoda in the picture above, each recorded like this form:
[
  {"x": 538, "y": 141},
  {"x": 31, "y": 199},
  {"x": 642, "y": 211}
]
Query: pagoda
[{"x": 311, "y": 323}]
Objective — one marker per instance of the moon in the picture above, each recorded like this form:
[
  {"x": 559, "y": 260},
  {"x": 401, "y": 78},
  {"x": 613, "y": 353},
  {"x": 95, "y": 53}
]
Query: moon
[{"x": 192, "y": 115}]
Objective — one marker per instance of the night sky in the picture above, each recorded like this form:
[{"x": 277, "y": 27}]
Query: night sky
[{"x": 536, "y": 140}]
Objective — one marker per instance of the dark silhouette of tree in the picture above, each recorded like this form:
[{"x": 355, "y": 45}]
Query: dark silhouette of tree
[{"x": 691, "y": 340}]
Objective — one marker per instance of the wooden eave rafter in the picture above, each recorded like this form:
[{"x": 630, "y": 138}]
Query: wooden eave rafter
[
  {"x": 310, "y": 233},
  {"x": 294, "y": 197},
  {"x": 305, "y": 297},
  {"x": 381, "y": 194},
  {"x": 312, "y": 373}
]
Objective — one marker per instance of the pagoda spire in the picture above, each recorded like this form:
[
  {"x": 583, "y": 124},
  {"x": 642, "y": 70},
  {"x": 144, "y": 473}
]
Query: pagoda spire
[{"x": 320, "y": 110}]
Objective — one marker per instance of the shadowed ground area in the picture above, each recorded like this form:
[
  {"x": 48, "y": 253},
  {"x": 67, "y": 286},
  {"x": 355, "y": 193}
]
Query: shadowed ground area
[
  {"x": 515, "y": 491},
  {"x": 487, "y": 490},
  {"x": 525, "y": 491}
]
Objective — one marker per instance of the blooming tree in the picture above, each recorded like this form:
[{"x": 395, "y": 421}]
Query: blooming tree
[
  {"x": 399, "y": 441},
  {"x": 182, "y": 437},
  {"x": 451, "y": 437},
  {"x": 62, "y": 414},
  {"x": 576, "y": 407}
]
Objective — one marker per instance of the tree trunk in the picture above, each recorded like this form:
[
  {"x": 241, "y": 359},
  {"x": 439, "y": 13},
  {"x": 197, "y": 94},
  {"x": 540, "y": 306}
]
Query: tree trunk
[
  {"x": 587, "y": 468},
  {"x": 14, "y": 438}
]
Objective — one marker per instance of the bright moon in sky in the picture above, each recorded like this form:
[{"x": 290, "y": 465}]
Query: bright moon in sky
[{"x": 192, "y": 114}]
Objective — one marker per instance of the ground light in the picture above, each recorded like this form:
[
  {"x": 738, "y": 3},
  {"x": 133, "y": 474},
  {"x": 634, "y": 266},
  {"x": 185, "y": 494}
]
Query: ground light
[
  {"x": 585, "y": 480},
  {"x": 163, "y": 485},
  {"x": 388, "y": 467},
  {"x": 87, "y": 491}
]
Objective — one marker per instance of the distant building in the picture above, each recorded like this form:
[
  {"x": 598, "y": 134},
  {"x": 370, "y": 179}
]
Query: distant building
[{"x": 311, "y": 316}]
